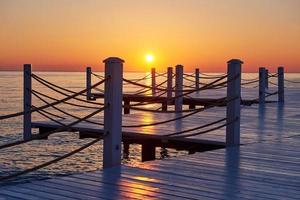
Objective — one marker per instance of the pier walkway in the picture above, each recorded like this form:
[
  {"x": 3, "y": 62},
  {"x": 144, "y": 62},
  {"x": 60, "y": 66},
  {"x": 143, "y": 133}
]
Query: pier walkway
[{"x": 266, "y": 166}]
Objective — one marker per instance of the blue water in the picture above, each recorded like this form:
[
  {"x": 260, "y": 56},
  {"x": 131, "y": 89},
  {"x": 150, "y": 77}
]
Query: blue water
[{"x": 36, "y": 152}]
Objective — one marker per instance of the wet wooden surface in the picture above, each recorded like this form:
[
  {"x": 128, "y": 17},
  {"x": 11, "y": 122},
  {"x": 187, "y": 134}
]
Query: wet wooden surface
[{"x": 267, "y": 166}]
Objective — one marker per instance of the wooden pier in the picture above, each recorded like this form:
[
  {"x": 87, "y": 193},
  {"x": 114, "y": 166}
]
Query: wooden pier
[
  {"x": 254, "y": 154},
  {"x": 266, "y": 166}
]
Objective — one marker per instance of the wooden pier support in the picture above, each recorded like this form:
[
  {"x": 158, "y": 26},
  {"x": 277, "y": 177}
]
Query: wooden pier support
[
  {"x": 170, "y": 82},
  {"x": 27, "y": 101},
  {"x": 126, "y": 146},
  {"x": 148, "y": 152},
  {"x": 233, "y": 106},
  {"x": 88, "y": 83},
  {"x": 267, "y": 79},
  {"x": 178, "y": 87},
  {"x": 197, "y": 79},
  {"x": 280, "y": 84},
  {"x": 153, "y": 81},
  {"x": 262, "y": 85},
  {"x": 169, "y": 88},
  {"x": 113, "y": 113},
  {"x": 126, "y": 107}
]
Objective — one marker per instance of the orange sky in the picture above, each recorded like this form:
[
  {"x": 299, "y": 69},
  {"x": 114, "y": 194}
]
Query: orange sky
[{"x": 70, "y": 34}]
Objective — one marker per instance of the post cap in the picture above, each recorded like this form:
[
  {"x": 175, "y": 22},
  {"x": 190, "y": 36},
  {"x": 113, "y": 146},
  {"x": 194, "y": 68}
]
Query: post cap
[
  {"x": 235, "y": 61},
  {"x": 179, "y": 66},
  {"x": 113, "y": 60}
]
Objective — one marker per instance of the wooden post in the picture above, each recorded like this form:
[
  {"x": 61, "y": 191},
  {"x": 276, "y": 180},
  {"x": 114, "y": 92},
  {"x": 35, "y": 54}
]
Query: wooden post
[
  {"x": 153, "y": 79},
  {"x": 262, "y": 85},
  {"x": 88, "y": 83},
  {"x": 27, "y": 97},
  {"x": 233, "y": 106},
  {"x": 113, "y": 113},
  {"x": 148, "y": 152},
  {"x": 267, "y": 79},
  {"x": 169, "y": 88},
  {"x": 126, "y": 106},
  {"x": 280, "y": 84},
  {"x": 197, "y": 79},
  {"x": 178, "y": 86},
  {"x": 170, "y": 82},
  {"x": 126, "y": 147}
]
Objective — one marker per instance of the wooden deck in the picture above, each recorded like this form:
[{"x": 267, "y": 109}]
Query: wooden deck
[
  {"x": 267, "y": 170},
  {"x": 266, "y": 166}
]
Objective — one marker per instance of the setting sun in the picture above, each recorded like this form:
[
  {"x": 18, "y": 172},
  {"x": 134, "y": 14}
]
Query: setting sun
[{"x": 149, "y": 58}]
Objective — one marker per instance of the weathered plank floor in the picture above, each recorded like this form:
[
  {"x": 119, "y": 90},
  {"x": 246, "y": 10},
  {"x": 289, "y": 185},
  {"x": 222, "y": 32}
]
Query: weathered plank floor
[
  {"x": 268, "y": 170},
  {"x": 267, "y": 166}
]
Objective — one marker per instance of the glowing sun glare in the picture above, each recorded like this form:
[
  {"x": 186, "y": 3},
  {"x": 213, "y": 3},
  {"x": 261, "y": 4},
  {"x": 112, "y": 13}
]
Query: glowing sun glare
[{"x": 149, "y": 58}]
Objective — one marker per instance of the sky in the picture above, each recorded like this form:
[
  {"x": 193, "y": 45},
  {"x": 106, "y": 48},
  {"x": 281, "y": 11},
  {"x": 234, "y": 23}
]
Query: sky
[{"x": 68, "y": 35}]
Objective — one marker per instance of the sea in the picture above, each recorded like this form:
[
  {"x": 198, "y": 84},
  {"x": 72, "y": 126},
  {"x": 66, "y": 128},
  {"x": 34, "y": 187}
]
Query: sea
[{"x": 25, "y": 156}]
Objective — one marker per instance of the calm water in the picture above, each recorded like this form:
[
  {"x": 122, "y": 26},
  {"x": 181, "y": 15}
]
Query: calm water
[{"x": 36, "y": 152}]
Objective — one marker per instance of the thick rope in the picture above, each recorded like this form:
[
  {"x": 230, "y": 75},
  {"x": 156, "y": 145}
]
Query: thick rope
[
  {"x": 60, "y": 129},
  {"x": 66, "y": 113},
  {"x": 173, "y": 111},
  {"x": 54, "y": 85},
  {"x": 65, "y": 102},
  {"x": 67, "y": 95},
  {"x": 271, "y": 94},
  {"x": 98, "y": 76},
  {"x": 189, "y": 75},
  {"x": 207, "y": 86},
  {"x": 54, "y": 103},
  {"x": 4, "y": 178},
  {"x": 206, "y": 131},
  {"x": 177, "y": 118},
  {"x": 161, "y": 89},
  {"x": 42, "y": 112},
  {"x": 250, "y": 79},
  {"x": 212, "y": 75},
  {"x": 250, "y": 82},
  {"x": 291, "y": 81},
  {"x": 196, "y": 128}
]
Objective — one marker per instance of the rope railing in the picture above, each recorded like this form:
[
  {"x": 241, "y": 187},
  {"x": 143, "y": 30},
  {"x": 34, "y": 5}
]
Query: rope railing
[
  {"x": 220, "y": 100},
  {"x": 194, "y": 90},
  {"x": 189, "y": 75},
  {"x": 290, "y": 81},
  {"x": 148, "y": 76},
  {"x": 180, "y": 117},
  {"x": 68, "y": 97},
  {"x": 17, "y": 174},
  {"x": 64, "y": 102},
  {"x": 43, "y": 113},
  {"x": 187, "y": 79},
  {"x": 250, "y": 82},
  {"x": 196, "y": 128},
  {"x": 271, "y": 94},
  {"x": 250, "y": 79},
  {"x": 98, "y": 75},
  {"x": 206, "y": 131},
  {"x": 66, "y": 113},
  {"x": 213, "y": 75},
  {"x": 161, "y": 74},
  {"x": 273, "y": 75},
  {"x": 48, "y": 84},
  {"x": 60, "y": 129},
  {"x": 208, "y": 86},
  {"x": 149, "y": 89}
]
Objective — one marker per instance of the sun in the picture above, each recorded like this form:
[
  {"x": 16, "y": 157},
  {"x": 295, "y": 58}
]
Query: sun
[{"x": 149, "y": 58}]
